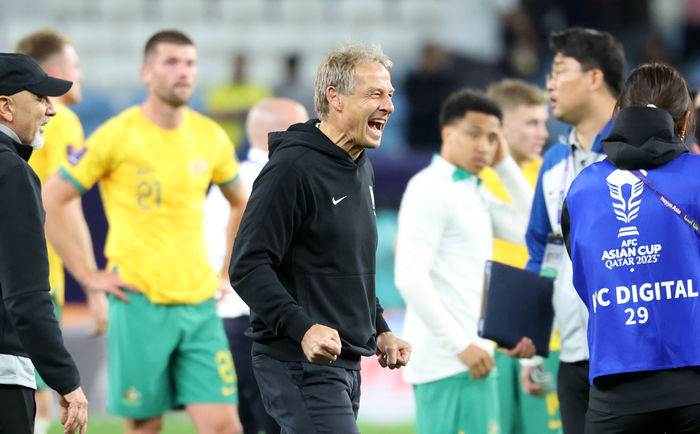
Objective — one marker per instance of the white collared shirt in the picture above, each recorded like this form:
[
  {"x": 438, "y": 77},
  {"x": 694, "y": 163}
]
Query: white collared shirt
[
  {"x": 580, "y": 157},
  {"x": 446, "y": 226},
  {"x": 8, "y": 132}
]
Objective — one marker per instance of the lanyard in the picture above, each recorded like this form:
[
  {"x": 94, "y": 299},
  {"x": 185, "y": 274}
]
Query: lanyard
[
  {"x": 677, "y": 210},
  {"x": 570, "y": 155},
  {"x": 562, "y": 189}
]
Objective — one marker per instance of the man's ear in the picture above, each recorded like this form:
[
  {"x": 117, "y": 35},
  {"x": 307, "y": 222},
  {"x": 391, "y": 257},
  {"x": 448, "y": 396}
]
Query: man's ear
[
  {"x": 334, "y": 98},
  {"x": 145, "y": 73},
  {"x": 445, "y": 132},
  {"x": 51, "y": 69},
  {"x": 597, "y": 79},
  {"x": 7, "y": 109}
]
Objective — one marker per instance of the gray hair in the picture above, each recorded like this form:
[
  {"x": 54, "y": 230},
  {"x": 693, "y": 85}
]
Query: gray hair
[{"x": 338, "y": 70}]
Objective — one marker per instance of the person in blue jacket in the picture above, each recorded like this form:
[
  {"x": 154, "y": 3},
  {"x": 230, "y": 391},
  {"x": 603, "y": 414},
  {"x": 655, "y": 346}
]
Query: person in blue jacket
[
  {"x": 630, "y": 229},
  {"x": 585, "y": 81}
]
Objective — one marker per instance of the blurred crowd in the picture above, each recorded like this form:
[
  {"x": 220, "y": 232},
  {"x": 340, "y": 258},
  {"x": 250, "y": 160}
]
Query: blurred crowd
[{"x": 478, "y": 44}]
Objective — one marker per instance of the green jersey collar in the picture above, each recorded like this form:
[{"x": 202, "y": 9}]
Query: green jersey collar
[{"x": 458, "y": 174}]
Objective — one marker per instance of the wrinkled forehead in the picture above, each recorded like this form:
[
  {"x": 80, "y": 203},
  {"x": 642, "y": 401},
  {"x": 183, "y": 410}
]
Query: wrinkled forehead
[
  {"x": 372, "y": 74},
  {"x": 24, "y": 95}
]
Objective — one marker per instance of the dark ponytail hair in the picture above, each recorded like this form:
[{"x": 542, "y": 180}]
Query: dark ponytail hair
[{"x": 664, "y": 86}]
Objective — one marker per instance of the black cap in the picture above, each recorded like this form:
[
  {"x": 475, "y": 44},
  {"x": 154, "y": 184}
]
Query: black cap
[{"x": 20, "y": 72}]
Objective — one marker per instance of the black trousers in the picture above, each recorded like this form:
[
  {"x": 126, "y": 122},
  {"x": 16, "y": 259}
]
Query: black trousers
[
  {"x": 679, "y": 420},
  {"x": 253, "y": 416},
  {"x": 305, "y": 398},
  {"x": 572, "y": 390},
  {"x": 18, "y": 409}
]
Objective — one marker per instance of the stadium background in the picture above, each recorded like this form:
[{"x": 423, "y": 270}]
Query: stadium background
[{"x": 465, "y": 43}]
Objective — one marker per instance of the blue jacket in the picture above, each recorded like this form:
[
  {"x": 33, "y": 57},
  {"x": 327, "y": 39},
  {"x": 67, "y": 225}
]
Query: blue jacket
[{"x": 556, "y": 174}]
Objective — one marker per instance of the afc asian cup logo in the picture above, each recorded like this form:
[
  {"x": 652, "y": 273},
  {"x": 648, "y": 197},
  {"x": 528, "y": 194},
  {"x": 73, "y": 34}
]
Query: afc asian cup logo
[{"x": 626, "y": 209}]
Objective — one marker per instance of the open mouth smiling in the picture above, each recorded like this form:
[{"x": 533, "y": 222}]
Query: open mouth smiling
[{"x": 377, "y": 124}]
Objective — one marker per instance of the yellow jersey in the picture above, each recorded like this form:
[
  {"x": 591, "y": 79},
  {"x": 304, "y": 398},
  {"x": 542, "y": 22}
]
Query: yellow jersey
[
  {"x": 64, "y": 136},
  {"x": 504, "y": 251},
  {"x": 235, "y": 98},
  {"x": 153, "y": 184}
]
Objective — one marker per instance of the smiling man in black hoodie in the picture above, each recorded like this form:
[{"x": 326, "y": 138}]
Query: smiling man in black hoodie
[{"x": 304, "y": 257}]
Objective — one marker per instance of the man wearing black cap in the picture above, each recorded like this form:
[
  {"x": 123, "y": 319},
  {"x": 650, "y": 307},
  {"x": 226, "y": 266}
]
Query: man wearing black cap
[{"x": 29, "y": 332}]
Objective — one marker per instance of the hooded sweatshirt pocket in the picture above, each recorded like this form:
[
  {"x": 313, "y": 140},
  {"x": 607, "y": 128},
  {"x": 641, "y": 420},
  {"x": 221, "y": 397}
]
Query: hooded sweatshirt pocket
[{"x": 345, "y": 303}]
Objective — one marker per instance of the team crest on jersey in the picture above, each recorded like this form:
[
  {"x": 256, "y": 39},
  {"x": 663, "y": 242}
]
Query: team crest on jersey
[
  {"x": 75, "y": 155},
  {"x": 626, "y": 190},
  {"x": 198, "y": 167}
]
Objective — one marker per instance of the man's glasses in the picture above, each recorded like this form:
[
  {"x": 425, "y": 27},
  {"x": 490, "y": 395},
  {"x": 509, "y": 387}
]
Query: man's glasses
[{"x": 559, "y": 76}]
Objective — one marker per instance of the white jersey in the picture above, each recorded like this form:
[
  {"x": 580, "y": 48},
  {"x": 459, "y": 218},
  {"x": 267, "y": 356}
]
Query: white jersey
[
  {"x": 447, "y": 222},
  {"x": 216, "y": 214}
]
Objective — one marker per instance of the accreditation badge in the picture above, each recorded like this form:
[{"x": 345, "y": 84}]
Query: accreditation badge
[{"x": 553, "y": 256}]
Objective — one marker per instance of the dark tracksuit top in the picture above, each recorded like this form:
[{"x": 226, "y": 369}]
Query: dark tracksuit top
[
  {"x": 305, "y": 252},
  {"x": 28, "y": 327}
]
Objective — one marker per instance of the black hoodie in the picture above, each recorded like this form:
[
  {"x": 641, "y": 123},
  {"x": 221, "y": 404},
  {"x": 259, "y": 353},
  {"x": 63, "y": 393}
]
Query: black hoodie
[
  {"x": 642, "y": 138},
  {"x": 305, "y": 252},
  {"x": 28, "y": 327}
]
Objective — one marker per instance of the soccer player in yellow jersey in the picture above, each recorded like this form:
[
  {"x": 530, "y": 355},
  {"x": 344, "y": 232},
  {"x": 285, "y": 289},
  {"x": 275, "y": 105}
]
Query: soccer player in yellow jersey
[
  {"x": 64, "y": 135},
  {"x": 524, "y": 108},
  {"x": 154, "y": 163},
  {"x": 228, "y": 103}
]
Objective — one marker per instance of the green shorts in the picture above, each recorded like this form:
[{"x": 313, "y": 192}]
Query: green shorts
[
  {"x": 525, "y": 414},
  {"x": 162, "y": 357},
  {"x": 457, "y": 405},
  {"x": 543, "y": 411},
  {"x": 40, "y": 384},
  {"x": 509, "y": 390}
]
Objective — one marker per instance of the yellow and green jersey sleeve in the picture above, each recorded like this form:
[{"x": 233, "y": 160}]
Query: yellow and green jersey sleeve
[
  {"x": 504, "y": 251},
  {"x": 153, "y": 184},
  {"x": 64, "y": 136}
]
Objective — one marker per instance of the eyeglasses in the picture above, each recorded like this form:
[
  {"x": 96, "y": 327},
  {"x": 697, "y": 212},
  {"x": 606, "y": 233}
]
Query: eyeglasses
[{"x": 559, "y": 76}]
